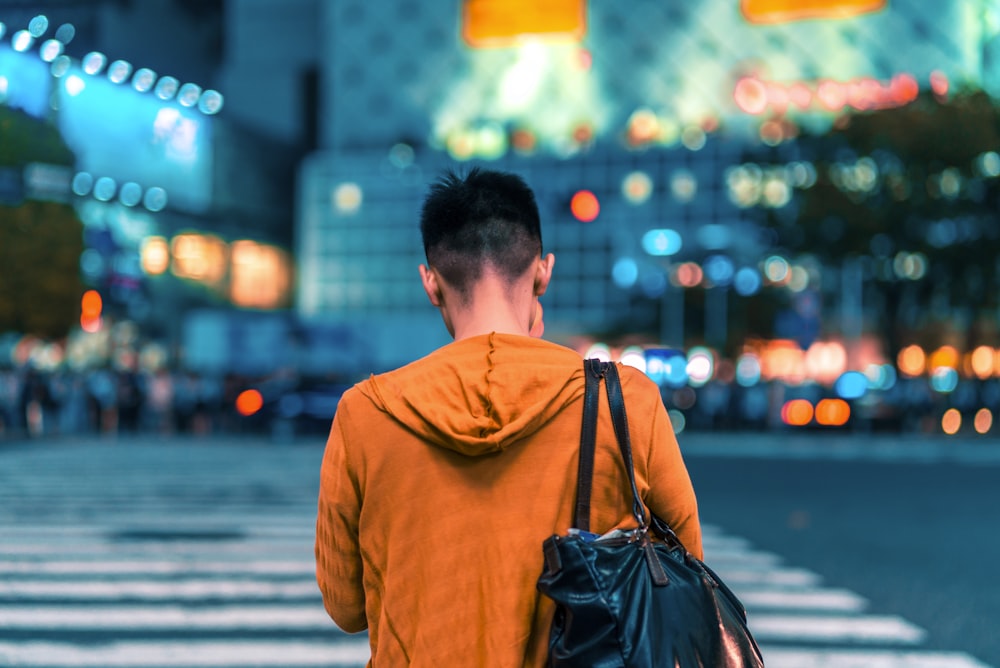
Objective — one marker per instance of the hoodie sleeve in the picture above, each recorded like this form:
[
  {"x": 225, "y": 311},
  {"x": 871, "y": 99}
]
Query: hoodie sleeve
[{"x": 338, "y": 555}]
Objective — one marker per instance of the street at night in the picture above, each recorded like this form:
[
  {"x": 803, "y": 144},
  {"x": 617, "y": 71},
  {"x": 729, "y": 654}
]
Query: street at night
[
  {"x": 847, "y": 551},
  {"x": 778, "y": 218}
]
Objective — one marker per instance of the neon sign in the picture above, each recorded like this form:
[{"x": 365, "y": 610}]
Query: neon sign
[
  {"x": 783, "y": 11},
  {"x": 757, "y": 96},
  {"x": 498, "y": 23}
]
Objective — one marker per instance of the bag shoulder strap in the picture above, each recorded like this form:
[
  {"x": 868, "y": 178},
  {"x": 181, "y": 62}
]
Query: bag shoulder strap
[
  {"x": 616, "y": 401},
  {"x": 594, "y": 372}
]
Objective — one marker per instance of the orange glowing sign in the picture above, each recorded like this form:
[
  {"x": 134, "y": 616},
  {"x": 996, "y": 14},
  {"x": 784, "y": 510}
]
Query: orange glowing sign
[
  {"x": 783, "y": 11},
  {"x": 498, "y": 23}
]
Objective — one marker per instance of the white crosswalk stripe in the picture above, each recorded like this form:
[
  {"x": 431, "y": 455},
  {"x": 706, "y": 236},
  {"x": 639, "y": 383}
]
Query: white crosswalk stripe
[{"x": 192, "y": 566}]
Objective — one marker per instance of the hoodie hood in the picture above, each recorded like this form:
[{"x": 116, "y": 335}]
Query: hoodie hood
[{"x": 480, "y": 395}]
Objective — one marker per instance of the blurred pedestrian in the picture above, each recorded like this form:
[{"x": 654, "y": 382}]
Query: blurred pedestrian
[
  {"x": 130, "y": 398},
  {"x": 10, "y": 392},
  {"x": 160, "y": 401},
  {"x": 441, "y": 479}
]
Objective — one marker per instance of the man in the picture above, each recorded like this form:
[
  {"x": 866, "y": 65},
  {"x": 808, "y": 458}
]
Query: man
[{"x": 441, "y": 479}]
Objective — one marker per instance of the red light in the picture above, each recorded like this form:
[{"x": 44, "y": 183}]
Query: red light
[
  {"x": 91, "y": 303},
  {"x": 797, "y": 412},
  {"x": 904, "y": 89},
  {"x": 249, "y": 402},
  {"x": 91, "y": 306},
  {"x": 585, "y": 206}
]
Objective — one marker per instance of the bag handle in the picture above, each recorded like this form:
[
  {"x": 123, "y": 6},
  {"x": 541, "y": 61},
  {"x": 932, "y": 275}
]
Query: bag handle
[
  {"x": 616, "y": 400},
  {"x": 594, "y": 371}
]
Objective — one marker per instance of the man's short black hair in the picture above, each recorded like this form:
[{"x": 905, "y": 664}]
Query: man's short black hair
[{"x": 486, "y": 219}]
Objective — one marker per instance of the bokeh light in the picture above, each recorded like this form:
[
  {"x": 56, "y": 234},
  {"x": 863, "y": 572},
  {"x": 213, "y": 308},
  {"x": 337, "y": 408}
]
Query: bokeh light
[
  {"x": 166, "y": 87},
  {"x": 625, "y": 272},
  {"x": 585, "y": 206},
  {"x": 667, "y": 367},
  {"x": 797, "y": 412},
  {"x": 22, "y": 40},
  {"x": 155, "y": 255},
  {"x": 637, "y": 187},
  {"x": 687, "y": 275},
  {"x": 852, "y": 385},
  {"x": 634, "y": 356},
  {"x": 944, "y": 379},
  {"x": 747, "y": 281},
  {"x": 982, "y": 362},
  {"x": 945, "y": 356},
  {"x": 347, "y": 198},
  {"x": 832, "y": 412},
  {"x": 599, "y": 351},
  {"x": 983, "y": 421},
  {"x": 249, "y": 402},
  {"x": 94, "y": 62},
  {"x": 700, "y": 366},
  {"x": 777, "y": 269},
  {"x": 119, "y": 71},
  {"x": 912, "y": 361},
  {"x": 951, "y": 421},
  {"x": 188, "y": 95},
  {"x": 748, "y": 370},
  {"x": 677, "y": 420},
  {"x": 662, "y": 242}
]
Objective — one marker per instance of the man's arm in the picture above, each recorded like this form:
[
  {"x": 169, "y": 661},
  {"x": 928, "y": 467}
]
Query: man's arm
[{"x": 338, "y": 555}]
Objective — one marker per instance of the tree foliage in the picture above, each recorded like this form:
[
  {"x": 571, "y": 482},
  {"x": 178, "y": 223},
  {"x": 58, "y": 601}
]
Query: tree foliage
[
  {"x": 40, "y": 242},
  {"x": 910, "y": 180}
]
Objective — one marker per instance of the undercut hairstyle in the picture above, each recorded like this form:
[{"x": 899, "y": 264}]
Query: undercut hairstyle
[{"x": 484, "y": 220}]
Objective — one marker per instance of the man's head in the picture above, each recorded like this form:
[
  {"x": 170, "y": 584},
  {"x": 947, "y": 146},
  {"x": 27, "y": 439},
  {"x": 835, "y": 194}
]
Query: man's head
[
  {"x": 484, "y": 221},
  {"x": 479, "y": 228}
]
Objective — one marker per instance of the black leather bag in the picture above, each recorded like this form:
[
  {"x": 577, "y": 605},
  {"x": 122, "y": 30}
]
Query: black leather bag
[{"x": 630, "y": 599}]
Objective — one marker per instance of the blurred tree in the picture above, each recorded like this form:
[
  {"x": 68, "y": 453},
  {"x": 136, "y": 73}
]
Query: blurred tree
[
  {"x": 40, "y": 242},
  {"x": 897, "y": 186}
]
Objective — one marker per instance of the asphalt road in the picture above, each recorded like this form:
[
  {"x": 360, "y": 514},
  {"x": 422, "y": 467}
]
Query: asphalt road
[
  {"x": 911, "y": 525},
  {"x": 849, "y": 552}
]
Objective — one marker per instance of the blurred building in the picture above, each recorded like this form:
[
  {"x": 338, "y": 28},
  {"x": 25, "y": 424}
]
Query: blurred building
[
  {"x": 654, "y": 113},
  {"x": 184, "y": 208},
  {"x": 656, "y": 133}
]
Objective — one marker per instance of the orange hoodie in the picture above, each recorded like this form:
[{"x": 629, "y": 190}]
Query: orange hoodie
[{"x": 440, "y": 481}]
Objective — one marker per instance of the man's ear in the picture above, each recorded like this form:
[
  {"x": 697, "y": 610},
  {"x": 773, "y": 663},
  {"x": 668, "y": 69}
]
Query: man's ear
[
  {"x": 543, "y": 274},
  {"x": 429, "y": 279}
]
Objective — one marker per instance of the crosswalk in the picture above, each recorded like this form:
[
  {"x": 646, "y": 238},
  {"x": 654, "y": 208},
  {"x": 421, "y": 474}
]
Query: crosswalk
[
  {"x": 800, "y": 623},
  {"x": 149, "y": 560}
]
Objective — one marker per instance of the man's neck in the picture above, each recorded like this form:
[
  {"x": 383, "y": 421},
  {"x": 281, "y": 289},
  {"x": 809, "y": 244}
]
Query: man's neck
[{"x": 494, "y": 307}]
